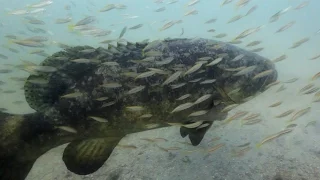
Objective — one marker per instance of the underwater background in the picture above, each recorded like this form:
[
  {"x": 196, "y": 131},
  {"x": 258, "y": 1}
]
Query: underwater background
[{"x": 295, "y": 155}]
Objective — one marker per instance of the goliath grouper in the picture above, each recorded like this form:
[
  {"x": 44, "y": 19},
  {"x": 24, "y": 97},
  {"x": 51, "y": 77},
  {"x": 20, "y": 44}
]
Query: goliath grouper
[{"x": 104, "y": 94}]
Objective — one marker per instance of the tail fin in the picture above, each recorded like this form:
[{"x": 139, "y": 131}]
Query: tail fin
[
  {"x": 195, "y": 135},
  {"x": 87, "y": 156}
]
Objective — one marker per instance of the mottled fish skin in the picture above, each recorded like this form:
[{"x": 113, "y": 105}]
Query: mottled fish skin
[
  {"x": 172, "y": 78},
  {"x": 245, "y": 71}
]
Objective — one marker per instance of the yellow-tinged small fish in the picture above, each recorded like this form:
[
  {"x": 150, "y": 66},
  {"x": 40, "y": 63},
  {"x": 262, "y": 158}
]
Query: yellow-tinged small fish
[
  {"x": 41, "y": 4},
  {"x": 245, "y": 71},
  {"x": 85, "y": 21},
  {"x": 160, "y": 139},
  {"x": 236, "y": 69},
  {"x": 182, "y": 107},
  {"x": 67, "y": 128},
  {"x": 221, "y": 35},
  {"x": 183, "y": 97},
  {"x": 313, "y": 90},
  {"x": 236, "y": 116},
  {"x": 193, "y": 69},
  {"x": 158, "y": 71},
  {"x": 147, "y": 139},
  {"x": 145, "y": 116},
  {"x": 235, "y": 42},
  {"x": 111, "y": 85},
  {"x": 44, "y": 69},
  {"x": 248, "y": 32},
  {"x": 244, "y": 145},
  {"x": 285, "y": 27},
  {"x": 272, "y": 84},
  {"x": 302, "y": 5},
  {"x": 300, "y": 113},
  {"x": 135, "y": 90},
  {"x": 63, "y": 20},
  {"x": 242, "y": 3},
  {"x": 191, "y": 12},
  {"x": 214, "y": 139},
  {"x": 251, "y": 116},
  {"x": 135, "y": 108},
  {"x": 251, "y": 10},
  {"x": 145, "y": 74},
  {"x": 123, "y": 31},
  {"x": 127, "y": 146},
  {"x": 250, "y": 122},
  {"x": 235, "y": 18},
  {"x": 291, "y": 80},
  {"x": 276, "y": 104},
  {"x": 211, "y": 21},
  {"x": 271, "y": 137},
  {"x": 160, "y": 9},
  {"x": 214, "y": 62},
  {"x": 102, "y": 98},
  {"x": 28, "y": 43},
  {"x": 99, "y": 119},
  {"x": 193, "y": 125},
  {"x": 291, "y": 125},
  {"x": 225, "y": 2},
  {"x": 286, "y": 113},
  {"x": 167, "y": 25},
  {"x": 307, "y": 87},
  {"x": 316, "y": 76},
  {"x": 234, "y": 91},
  {"x": 263, "y": 74},
  {"x": 316, "y": 99},
  {"x": 315, "y": 57},
  {"x": 151, "y": 126},
  {"x": 72, "y": 95},
  {"x": 257, "y": 50},
  {"x": 190, "y": 126},
  {"x": 83, "y": 60},
  {"x": 300, "y": 42},
  {"x": 216, "y": 147},
  {"x": 202, "y": 99},
  {"x": 241, "y": 152},
  {"x": 280, "y": 58},
  {"x": 175, "y": 86},
  {"x": 193, "y": 2},
  {"x": 108, "y": 104},
  {"x": 169, "y": 148},
  {"x": 229, "y": 108},
  {"x": 253, "y": 43},
  {"x": 198, "y": 113}
]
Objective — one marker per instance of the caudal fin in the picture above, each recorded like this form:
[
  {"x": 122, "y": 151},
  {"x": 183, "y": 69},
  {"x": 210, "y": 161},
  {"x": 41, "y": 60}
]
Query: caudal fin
[{"x": 87, "y": 156}]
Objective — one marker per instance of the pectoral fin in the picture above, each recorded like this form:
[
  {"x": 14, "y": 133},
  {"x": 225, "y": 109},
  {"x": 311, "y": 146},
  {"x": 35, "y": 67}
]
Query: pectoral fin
[{"x": 87, "y": 156}]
